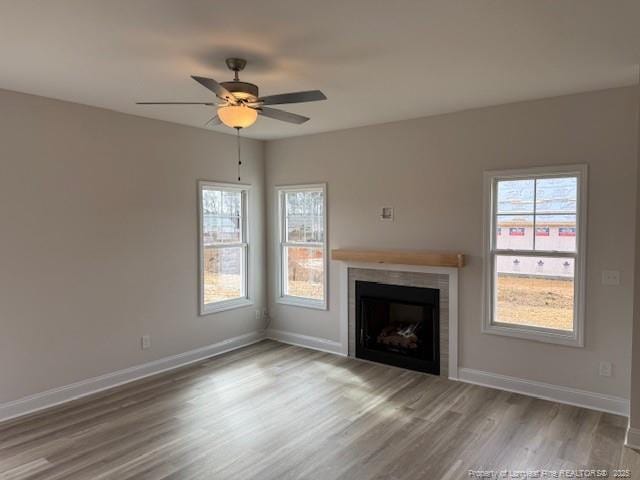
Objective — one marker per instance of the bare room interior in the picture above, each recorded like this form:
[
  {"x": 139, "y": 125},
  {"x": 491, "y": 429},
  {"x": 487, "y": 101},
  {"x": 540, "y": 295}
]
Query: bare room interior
[{"x": 319, "y": 240}]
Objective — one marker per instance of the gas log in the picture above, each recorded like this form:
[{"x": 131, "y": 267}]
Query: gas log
[{"x": 398, "y": 335}]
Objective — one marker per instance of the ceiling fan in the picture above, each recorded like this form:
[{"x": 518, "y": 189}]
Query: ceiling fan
[{"x": 240, "y": 103}]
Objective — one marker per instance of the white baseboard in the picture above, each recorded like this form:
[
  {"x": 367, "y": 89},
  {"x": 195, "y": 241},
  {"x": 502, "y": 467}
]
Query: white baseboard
[
  {"x": 307, "y": 341},
  {"x": 633, "y": 438},
  {"x": 56, "y": 396},
  {"x": 547, "y": 391}
]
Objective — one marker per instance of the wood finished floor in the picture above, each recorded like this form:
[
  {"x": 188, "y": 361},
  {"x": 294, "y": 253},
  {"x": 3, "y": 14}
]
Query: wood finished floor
[{"x": 273, "y": 411}]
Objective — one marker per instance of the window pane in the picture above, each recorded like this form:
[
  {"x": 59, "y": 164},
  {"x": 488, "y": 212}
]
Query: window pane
[
  {"x": 535, "y": 291},
  {"x": 304, "y": 216},
  {"x": 305, "y": 272},
  {"x": 515, "y": 196},
  {"x": 296, "y": 229},
  {"x": 211, "y": 202},
  {"x": 556, "y": 195},
  {"x": 222, "y": 274},
  {"x": 556, "y": 232},
  {"x": 303, "y": 228},
  {"x": 514, "y": 232},
  {"x": 231, "y": 203},
  {"x": 221, "y": 217},
  {"x": 219, "y": 229},
  {"x": 305, "y": 203}
]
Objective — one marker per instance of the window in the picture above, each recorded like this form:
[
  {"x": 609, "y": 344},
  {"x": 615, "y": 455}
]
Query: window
[
  {"x": 535, "y": 253},
  {"x": 223, "y": 246},
  {"x": 302, "y": 272}
]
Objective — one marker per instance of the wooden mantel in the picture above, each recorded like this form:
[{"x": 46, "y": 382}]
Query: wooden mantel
[{"x": 400, "y": 257}]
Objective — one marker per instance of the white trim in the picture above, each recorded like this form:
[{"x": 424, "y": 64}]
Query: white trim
[
  {"x": 547, "y": 391},
  {"x": 226, "y": 305},
  {"x": 57, "y": 396},
  {"x": 315, "y": 343},
  {"x": 576, "y": 337},
  {"x": 281, "y": 298},
  {"x": 302, "y": 302},
  {"x": 247, "y": 294},
  {"x": 632, "y": 439},
  {"x": 452, "y": 272}
]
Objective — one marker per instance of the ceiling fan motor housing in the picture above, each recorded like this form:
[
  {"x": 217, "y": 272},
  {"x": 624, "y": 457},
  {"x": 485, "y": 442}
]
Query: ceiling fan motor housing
[{"x": 242, "y": 90}]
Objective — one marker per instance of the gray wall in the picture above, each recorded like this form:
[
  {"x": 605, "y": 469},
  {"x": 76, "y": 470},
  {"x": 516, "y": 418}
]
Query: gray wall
[
  {"x": 430, "y": 170},
  {"x": 99, "y": 240}
]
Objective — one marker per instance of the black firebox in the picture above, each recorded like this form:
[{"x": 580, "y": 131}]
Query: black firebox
[{"x": 398, "y": 325}]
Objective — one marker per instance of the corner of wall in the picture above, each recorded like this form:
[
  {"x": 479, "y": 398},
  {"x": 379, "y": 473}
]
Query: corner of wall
[{"x": 633, "y": 435}]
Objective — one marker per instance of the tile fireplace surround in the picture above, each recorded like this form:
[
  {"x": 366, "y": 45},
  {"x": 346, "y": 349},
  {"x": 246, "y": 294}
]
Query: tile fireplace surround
[{"x": 445, "y": 279}]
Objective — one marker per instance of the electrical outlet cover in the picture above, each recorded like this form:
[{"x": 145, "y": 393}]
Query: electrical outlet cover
[
  {"x": 605, "y": 369},
  {"x": 610, "y": 277}
]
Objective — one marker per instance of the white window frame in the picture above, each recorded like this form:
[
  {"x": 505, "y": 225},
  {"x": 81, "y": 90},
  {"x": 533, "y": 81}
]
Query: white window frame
[
  {"x": 245, "y": 299},
  {"x": 281, "y": 244},
  {"x": 574, "y": 338}
]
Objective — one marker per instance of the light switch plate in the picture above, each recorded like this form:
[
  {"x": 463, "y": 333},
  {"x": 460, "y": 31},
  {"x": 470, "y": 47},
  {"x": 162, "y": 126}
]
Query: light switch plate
[
  {"x": 145, "y": 342},
  {"x": 610, "y": 277},
  {"x": 386, "y": 213}
]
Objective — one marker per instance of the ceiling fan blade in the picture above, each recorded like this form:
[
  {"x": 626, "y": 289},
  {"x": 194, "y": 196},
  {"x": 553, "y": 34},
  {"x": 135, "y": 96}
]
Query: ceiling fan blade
[
  {"x": 216, "y": 88},
  {"x": 282, "y": 115},
  {"x": 293, "y": 97},
  {"x": 213, "y": 121},
  {"x": 174, "y": 103}
]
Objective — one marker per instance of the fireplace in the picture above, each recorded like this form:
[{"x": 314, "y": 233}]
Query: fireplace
[{"x": 398, "y": 325}]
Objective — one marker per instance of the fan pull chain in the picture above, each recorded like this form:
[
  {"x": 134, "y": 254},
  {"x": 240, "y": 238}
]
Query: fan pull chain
[{"x": 239, "y": 158}]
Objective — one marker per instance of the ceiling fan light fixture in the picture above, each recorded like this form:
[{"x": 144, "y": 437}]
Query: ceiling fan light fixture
[
  {"x": 237, "y": 116},
  {"x": 242, "y": 103}
]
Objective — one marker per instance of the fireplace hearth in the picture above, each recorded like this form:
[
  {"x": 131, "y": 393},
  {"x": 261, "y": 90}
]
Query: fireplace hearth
[{"x": 398, "y": 325}]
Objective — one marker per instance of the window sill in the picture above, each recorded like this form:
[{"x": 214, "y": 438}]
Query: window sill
[
  {"x": 224, "y": 306},
  {"x": 570, "y": 339},
  {"x": 302, "y": 302}
]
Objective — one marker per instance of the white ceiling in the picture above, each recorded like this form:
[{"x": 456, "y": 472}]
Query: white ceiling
[{"x": 376, "y": 60}]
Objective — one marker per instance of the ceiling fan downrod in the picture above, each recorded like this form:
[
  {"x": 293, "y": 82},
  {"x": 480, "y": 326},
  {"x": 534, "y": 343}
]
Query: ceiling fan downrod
[
  {"x": 239, "y": 158},
  {"x": 236, "y": 65}
]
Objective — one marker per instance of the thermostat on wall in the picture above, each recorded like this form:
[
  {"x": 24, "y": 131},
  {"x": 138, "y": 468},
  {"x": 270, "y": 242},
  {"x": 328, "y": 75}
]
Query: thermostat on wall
[{"x": 386, "y": 213}]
